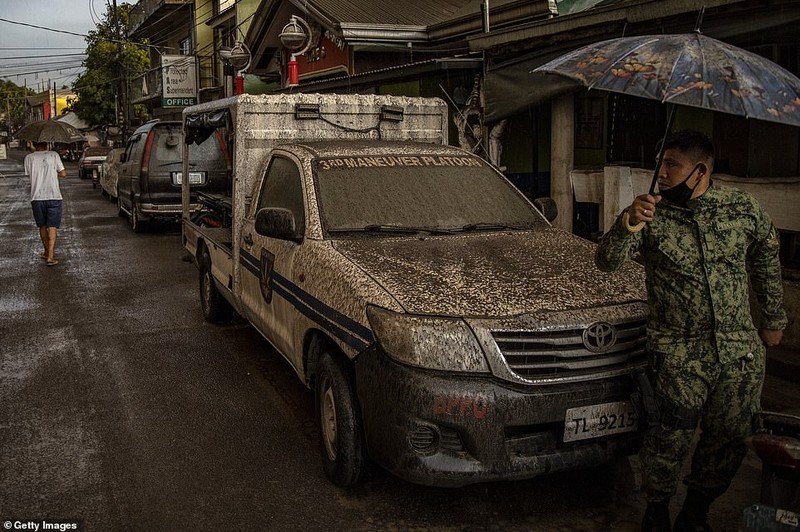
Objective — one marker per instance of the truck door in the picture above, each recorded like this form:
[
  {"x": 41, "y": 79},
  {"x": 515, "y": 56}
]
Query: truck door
[{"x": 267, "y": 264}]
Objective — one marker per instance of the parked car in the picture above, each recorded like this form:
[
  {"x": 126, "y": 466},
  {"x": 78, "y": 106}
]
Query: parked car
[
  {"x": 151, "y": 172},
  {"x": 109, "y": 173},
  {"x": 90, "y": 161}
]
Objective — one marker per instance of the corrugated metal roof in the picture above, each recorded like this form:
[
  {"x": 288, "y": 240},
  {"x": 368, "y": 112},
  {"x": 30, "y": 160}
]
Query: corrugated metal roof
[{"x": 404, "y": 12}]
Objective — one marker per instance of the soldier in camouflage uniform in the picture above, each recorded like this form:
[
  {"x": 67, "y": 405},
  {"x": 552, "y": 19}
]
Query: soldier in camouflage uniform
[{"x": 699, "y": 243}]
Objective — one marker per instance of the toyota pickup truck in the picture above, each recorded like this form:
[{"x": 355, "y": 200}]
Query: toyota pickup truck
[{"x": 448, "y": 331}]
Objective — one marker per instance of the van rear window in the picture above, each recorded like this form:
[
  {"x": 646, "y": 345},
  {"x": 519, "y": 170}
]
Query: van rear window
[{"x": 168, "y": 145}]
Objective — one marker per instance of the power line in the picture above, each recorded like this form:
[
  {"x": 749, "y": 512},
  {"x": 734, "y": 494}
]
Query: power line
[
  {"x": 43, "y": 48},
  {"x": 42, "y": 27},
  {"x": 65, "y": 67},
  {"x": 38, "y": 56}
]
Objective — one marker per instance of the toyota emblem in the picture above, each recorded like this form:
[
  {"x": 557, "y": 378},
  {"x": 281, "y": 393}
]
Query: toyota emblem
[{"x": 599, "y": 337}]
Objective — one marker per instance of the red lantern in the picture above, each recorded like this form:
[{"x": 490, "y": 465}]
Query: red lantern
[
  {"x": 239, "y": 89},
  {"x": 294, "y": 73}
]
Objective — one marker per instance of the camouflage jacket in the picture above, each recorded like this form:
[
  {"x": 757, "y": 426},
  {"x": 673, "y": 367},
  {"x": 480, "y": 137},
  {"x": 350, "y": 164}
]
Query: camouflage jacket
[{"x": 698, "y": 260}]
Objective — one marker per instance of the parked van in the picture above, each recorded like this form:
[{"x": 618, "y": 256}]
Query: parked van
[{"x": 149, "y": 185}]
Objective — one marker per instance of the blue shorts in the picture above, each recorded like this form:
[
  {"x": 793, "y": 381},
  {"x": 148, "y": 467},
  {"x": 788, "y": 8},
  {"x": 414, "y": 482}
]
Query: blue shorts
[{"x": 47, "y": 213}]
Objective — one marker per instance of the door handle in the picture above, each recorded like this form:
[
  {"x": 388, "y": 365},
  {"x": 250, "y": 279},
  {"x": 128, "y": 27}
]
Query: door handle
[{"x": 248, "y": 239}]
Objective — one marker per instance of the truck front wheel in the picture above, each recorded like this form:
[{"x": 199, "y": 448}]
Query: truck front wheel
[
  {"x": 215, "y": 308},
  {"x": 343, "y": 454}
]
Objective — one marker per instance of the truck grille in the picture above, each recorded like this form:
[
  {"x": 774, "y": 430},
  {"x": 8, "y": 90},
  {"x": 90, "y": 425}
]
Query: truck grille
[{"x": 564, "y": 353}]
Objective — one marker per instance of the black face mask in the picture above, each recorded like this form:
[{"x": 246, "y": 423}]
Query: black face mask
[{"x": 680, "y": 194}]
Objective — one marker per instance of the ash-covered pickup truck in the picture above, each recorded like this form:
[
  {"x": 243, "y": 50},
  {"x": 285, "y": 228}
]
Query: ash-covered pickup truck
[{"x": 449, "y": 333}]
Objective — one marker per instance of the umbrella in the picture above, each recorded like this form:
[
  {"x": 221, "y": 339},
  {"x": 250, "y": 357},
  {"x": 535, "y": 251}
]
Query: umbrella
[
  {"x": 685, "y": 69},
  {"x": 49, "y": 131}
]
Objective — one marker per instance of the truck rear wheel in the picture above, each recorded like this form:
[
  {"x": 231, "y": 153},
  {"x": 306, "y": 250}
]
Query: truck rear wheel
[
  {"x": 343, "y": 453},
  {"x": 215, "y": 308}
]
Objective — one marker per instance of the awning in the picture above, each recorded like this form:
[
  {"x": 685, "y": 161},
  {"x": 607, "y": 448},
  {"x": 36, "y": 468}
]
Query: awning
[
  {"x": 510, "y": 88},
  {"x": 388, "y": 75}
]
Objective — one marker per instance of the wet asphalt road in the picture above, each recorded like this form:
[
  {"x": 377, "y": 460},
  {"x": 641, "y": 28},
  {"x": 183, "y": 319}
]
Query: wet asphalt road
[{"x": 120, "y": 406}]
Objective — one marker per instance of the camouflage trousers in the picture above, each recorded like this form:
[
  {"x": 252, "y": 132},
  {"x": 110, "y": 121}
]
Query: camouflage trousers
[{"x": 727, "y": 394}]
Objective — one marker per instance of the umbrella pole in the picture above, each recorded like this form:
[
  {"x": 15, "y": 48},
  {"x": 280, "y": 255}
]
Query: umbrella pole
[{"x": 670, "y": 119}]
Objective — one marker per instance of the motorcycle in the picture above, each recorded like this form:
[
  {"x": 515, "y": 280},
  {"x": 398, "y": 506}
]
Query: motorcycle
[{"x": 776, "y": 441}]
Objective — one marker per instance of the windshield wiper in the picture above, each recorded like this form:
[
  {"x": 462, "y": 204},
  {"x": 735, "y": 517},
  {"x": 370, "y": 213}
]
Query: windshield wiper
[
  {"x": 176, "y": 162},
  {"x": 390, "y": 228},
  {"x": 489, "y": 226}
]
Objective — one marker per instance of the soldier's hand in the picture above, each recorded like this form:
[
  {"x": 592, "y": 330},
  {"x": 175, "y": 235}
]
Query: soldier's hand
[
  {"x": 770, "y": 337},
  {"x": 643, "y": 208}
]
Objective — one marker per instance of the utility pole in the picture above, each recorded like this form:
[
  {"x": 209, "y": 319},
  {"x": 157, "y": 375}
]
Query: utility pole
[{"x": 122, "y": 76}]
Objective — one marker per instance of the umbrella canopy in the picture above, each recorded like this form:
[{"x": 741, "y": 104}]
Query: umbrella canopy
[
  {"x": 685, "y": 69},
  {"x": 49, "y": 131}
]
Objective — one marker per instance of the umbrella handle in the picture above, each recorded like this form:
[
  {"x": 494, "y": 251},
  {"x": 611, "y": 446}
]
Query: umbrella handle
[{"x": 670, "y": 119}]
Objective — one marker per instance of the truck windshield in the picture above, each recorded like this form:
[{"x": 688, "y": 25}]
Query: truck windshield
[{"x": 433, "y": 192}]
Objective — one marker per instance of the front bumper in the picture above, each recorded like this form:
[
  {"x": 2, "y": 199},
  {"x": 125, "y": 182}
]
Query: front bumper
[{"x": 445, "y": 429}]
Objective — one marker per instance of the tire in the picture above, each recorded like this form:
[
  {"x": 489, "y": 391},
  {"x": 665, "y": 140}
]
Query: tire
[
  {"x": 137, "y": 224},
  {"x": 339, "y": 418},
  {"x": 215, "y": 308}
]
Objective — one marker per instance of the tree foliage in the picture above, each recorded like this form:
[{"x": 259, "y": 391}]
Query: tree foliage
[
  {"x": 109, "y": 59},
  {"x": 12, "y": 104}
]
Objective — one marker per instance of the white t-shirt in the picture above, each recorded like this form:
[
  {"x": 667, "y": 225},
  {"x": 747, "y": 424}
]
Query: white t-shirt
[{"x": 43, "y": 167}]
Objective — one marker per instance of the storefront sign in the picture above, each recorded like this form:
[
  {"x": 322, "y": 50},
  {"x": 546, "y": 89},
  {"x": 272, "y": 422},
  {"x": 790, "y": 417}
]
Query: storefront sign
[
  {"x": 327, "y": 56},
  {"x": 179, "y": 74}
]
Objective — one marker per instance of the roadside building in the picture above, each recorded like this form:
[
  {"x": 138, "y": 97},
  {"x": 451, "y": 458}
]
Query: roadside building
[
  {"x": 167, "y": 26},
  {"x": 413, "y": 48},
  {"x": 220, "y": 25},
  {"x": 48, "y": 104},
  {"x": 593, "y": 151},
  {"x": 588, "y": 150}
]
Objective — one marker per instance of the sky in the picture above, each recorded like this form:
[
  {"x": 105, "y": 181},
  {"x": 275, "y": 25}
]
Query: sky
[{"x": 38, "y": 57}]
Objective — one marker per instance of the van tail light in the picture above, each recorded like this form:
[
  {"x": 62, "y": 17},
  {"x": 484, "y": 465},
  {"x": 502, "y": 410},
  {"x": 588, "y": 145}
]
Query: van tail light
[{"x": 146, "y": 156}]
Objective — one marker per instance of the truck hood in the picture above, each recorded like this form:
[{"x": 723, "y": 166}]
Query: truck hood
[{"x": 493, "y": 274}]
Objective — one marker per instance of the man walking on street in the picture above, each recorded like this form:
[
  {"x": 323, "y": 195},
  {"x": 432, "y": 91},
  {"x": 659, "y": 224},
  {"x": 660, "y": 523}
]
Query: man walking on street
[
  {"x": 699, "y": 243},
  {"x": 44, "y": 168}
]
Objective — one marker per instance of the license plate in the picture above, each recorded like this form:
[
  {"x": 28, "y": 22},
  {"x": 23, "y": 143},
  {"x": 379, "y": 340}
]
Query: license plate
[
  {"x": 195, "y": 178},
  {"x": 595, "y": 421}
]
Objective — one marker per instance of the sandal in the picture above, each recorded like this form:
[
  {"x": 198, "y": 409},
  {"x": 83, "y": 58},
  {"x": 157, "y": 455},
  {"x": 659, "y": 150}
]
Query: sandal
[{"x": 52, "y": 262}]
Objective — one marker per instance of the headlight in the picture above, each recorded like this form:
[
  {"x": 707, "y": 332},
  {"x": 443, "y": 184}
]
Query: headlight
[{"x": 432, "y": 343}]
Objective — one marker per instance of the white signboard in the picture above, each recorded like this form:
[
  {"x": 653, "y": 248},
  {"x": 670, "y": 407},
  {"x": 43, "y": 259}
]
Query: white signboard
[
  {"x": 3, "y": 151},
  {"x": 180, "y": 80}
]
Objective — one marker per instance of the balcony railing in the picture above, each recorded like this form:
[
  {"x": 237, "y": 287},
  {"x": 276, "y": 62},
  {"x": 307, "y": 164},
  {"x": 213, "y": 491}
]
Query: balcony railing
[{"x": 147, "y": 86}]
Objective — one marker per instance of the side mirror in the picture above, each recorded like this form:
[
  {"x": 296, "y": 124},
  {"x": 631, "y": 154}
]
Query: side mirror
[
  {"x": 548, "y": 208},
  {"x": 276, "y": 222}
]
